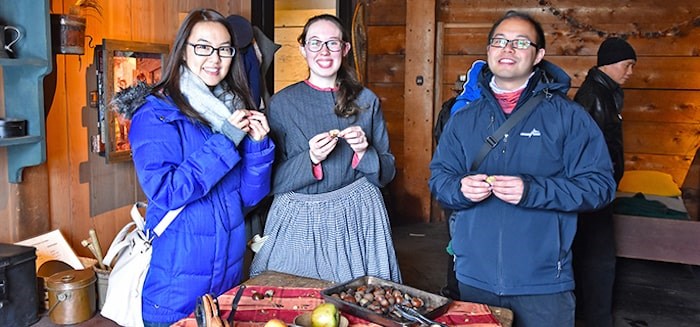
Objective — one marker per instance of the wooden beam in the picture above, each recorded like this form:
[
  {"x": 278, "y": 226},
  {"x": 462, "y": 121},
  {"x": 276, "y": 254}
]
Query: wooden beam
[{"x": 419, "y": 83}]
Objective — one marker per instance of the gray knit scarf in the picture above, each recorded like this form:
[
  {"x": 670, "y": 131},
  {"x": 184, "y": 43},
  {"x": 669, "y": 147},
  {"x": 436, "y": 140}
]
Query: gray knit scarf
[{"x": 215, "y": 106}]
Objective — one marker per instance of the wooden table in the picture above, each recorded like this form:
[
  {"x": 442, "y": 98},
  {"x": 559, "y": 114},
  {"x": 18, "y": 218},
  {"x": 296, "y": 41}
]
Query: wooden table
[{"x": 278, "y": 279}]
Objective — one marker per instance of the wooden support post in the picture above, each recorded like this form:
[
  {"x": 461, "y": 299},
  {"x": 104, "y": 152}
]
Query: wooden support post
[{"x": 419, "y": 85}]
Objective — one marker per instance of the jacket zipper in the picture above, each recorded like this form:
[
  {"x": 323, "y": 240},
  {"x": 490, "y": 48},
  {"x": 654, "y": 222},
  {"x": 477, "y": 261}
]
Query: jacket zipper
[
  {"x": 502, "y": 163},
  {"x": 559, "y": 268}
]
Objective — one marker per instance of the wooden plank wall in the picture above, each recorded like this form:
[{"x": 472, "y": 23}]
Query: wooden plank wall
[
  {"x": 290, "y": 66},
  {"x": 662, "y": 112},
  {"x": 61, "y": 188},
  {"x": 662, "y": 105}
]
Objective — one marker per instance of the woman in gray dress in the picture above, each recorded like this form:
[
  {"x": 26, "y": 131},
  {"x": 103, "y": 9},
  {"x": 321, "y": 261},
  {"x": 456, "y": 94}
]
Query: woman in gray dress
[{"x": 328, "y": 219}]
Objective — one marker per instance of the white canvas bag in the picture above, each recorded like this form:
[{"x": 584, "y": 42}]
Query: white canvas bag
[{"x": 132, "y": 250}]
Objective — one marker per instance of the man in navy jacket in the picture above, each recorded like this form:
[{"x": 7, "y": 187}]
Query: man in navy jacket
[{"x": 515, "y": 214}]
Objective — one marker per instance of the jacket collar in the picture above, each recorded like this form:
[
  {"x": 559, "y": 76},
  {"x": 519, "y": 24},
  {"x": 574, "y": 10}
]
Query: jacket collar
[
  {"x": 603, "y": 78},
  {"x": 546, "y": 76}
]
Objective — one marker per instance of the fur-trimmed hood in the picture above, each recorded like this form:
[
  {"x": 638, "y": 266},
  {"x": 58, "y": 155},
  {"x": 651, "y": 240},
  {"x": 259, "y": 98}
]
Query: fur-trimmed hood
[{"x": 126, "y": 101}]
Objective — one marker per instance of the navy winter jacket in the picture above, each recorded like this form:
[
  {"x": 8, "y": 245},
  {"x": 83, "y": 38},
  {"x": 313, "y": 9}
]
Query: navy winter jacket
[
  {"x": 560, "y": 154},
  {"x": 182, "y": 162}
]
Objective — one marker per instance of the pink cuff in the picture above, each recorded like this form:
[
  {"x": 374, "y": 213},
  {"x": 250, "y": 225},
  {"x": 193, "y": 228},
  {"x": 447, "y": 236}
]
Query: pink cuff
[
  {"x": 317, "y": 170},
  {"x": 355, "y": 160}
]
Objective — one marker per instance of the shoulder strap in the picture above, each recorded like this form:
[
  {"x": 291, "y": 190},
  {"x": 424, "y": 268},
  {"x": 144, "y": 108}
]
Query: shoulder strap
[
  {"x": 122, "y": 240},
  {"x": 165, "y": 222},
  {"x": 162, "y": 225},
  {"x": 496, "y": 137}
]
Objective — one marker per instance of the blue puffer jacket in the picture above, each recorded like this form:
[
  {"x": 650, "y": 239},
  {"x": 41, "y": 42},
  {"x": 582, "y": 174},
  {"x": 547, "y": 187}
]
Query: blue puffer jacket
[
  {"x": 182, "y": 162},
  {"x": 560, "y": 154}
]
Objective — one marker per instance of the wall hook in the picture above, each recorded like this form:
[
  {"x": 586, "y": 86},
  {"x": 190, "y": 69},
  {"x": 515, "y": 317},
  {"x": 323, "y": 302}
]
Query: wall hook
[{"x": 89, "y": 37}]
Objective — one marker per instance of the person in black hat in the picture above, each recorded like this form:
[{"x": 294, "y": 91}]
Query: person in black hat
[
  {"x": 594, "y": 246},
  {"x": 242, "y": 32},
  {"x": 258, "y": 53}
]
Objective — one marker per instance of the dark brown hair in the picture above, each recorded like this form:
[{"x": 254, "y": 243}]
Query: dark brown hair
[
  {"x": 170, "y": 82},
  {"x": 346, "y": 81},
  {"x": 540, "y": 42}
]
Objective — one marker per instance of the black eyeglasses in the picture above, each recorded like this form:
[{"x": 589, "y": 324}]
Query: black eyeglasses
[
  {"x": 332, "y": 45},
  {"x": 206, "y": 50},
  {"x": 520, "y": 44}
]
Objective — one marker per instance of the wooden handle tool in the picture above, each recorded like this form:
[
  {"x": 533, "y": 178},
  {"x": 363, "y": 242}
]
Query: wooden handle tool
[
  {"x": 90, "y": 247},
  {"x": 98, "y": 248}
]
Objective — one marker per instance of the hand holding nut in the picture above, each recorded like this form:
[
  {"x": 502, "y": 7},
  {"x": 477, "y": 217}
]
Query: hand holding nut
[{"x": 320, "y": 146}]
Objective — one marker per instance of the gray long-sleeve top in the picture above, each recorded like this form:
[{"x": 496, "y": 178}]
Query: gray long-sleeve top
[{"x": 299, "y": 112}]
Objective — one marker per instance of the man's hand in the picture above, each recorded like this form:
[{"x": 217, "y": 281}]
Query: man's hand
[
  {"x": 508, "y": 188},
  {"x": 475, "y": 187}
]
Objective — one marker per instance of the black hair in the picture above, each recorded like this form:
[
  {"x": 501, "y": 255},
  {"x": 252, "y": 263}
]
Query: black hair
[
  {"x": 170, "y": 82},
  {"x": 512, "y": 14},
  {"x": 347, "y": 83}
]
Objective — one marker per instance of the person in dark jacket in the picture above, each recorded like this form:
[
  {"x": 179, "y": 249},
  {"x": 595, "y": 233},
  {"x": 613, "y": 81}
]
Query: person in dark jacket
[
  {"x": 197, "y": 143},
  {"x": 594, "y": 246},
  {"x": 515, "y": 214},
  {"x": 243, "y": 40}
]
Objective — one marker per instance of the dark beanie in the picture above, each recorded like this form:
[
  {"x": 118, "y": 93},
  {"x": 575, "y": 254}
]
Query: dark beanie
[
  {"x": 614, "y": 50},
  {"x": 242, "y": 30}
]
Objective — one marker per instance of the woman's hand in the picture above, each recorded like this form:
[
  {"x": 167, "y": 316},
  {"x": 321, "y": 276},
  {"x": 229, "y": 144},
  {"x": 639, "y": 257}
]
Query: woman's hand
[
  {"x": 239, "y": 119},
  {"x": 257, "y": 122},
  {"x": 356, "y": 138},
  {"x": 320, "y": 146}
]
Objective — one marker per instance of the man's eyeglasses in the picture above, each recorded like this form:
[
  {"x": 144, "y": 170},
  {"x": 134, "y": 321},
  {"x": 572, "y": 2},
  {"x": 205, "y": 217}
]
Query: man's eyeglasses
[
  {"x": 520, "y": 44},
  {"x": 207, "y": 50},
  {"x": 331, "y": 45}
]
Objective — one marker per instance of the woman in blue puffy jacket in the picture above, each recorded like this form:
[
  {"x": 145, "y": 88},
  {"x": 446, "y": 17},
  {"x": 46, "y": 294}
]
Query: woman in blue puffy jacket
[{"x": 197, "y": 142}]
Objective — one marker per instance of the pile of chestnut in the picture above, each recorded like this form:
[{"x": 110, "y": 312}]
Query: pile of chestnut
[{"x": 381, "y": 300}]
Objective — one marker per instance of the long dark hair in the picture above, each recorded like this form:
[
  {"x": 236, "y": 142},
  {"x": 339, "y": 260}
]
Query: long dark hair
[
  {"x": 349, "y": 87},
  {"x": 170, "y": 82}
]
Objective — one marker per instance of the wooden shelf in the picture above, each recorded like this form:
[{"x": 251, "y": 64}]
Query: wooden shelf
[
  {"x": 10, "y": 141},
  {"x": 22, "y": 82},
  {"x": 31, "y": 62}
]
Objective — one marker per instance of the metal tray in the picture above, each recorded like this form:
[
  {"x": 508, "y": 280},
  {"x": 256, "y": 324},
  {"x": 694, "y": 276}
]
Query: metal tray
[{"x": 439, "y": 303}]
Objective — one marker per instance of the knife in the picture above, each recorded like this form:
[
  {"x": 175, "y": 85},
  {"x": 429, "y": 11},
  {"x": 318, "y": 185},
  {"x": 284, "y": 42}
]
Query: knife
[{"x": 234, "y": 304}]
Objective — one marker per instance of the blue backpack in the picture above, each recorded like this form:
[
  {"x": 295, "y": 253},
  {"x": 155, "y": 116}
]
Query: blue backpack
[{"x": 470, "y": 92}]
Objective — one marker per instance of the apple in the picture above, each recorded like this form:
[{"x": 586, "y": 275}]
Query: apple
[
  {"x": 275, "y": 323},
  {"x": 325, "y": 315}
]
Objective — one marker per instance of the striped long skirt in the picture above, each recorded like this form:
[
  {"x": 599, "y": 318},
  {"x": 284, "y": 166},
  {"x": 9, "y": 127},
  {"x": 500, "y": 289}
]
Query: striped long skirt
[{"x": 335, "y": 236}]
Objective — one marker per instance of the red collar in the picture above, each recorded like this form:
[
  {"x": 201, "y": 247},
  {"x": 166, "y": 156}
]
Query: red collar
[{"x": 324, "y": 89}]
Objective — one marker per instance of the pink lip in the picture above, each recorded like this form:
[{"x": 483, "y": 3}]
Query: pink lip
[{"x": 324, "y": 63}]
